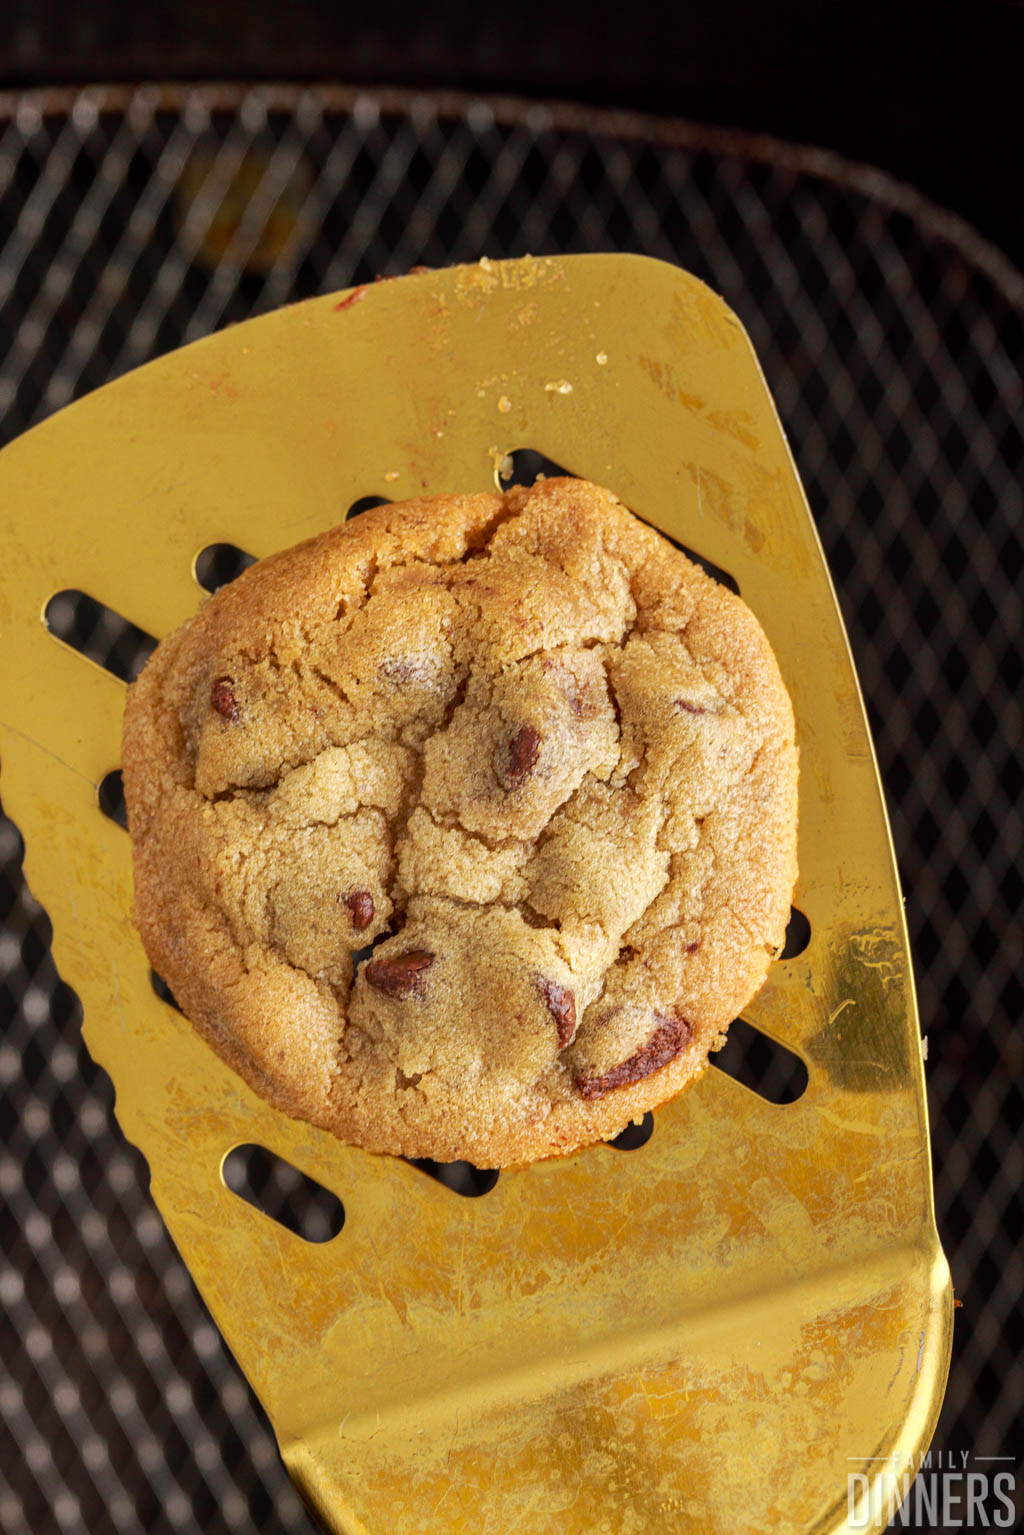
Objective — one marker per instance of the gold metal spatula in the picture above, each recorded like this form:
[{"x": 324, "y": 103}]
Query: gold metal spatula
[{"x": 714, "y": 1332}]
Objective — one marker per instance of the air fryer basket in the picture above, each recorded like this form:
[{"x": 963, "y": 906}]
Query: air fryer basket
[{"x": 888, "y": 335}]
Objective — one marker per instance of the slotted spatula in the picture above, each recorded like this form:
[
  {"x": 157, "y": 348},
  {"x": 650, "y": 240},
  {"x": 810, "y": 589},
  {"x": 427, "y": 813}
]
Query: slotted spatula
[{"x": 724, "y": 1330}]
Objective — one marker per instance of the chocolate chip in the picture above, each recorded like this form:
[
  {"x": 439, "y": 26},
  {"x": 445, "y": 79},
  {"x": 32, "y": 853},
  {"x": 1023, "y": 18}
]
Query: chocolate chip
[
  {"x": 399, "y": 975},
  {"x": 691, "y": 708},
  {"x": 669, "y": 1039},
  {"x": 691, "y": 948},
  {"x": 360, "y": 904},
  {"x": 222, "y": 698},
  {"x": 561, "y": 1004},
  {"x": 523, "y": 751}
]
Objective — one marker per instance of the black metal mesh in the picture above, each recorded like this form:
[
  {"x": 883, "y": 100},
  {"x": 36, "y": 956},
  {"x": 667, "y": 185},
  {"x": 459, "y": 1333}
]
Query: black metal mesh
[{"x": 892, "y": 339}]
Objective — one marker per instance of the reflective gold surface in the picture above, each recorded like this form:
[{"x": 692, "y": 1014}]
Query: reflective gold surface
[{"x": 709, "y": 1333}]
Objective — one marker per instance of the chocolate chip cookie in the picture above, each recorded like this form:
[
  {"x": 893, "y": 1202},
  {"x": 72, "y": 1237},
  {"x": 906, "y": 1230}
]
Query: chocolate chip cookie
[{"x": 464, "y": 830}]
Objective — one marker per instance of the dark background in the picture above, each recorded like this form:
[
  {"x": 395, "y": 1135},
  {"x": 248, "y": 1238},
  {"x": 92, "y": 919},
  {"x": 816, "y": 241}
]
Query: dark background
[
  {"x": 893, "y": 341},
  {"x": 929, "y": 91}
]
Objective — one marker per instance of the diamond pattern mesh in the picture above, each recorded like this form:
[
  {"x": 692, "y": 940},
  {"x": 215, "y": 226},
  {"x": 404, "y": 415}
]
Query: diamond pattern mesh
[{"x": 892, "y": 340}]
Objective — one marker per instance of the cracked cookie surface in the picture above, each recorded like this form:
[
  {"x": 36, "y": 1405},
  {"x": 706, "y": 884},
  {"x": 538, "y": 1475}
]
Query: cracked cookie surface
[{"x": 519, "y": 747}]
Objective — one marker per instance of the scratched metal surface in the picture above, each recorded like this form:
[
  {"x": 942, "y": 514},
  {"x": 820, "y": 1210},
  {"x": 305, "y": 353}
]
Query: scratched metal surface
[{"x": 892, "y": 342}]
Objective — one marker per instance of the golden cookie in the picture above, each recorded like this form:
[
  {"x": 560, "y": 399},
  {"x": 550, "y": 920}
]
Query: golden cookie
[{"x": 521, "y": 747}]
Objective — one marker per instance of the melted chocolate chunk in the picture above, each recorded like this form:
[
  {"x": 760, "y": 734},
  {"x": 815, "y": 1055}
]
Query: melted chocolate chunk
[
  {"x": 669, "y": 1039},
  {"x": 361, "y": 907},
  {"x": 561, "y": 1004},
  {"x": 222, "y": 698},
  {"x": 399, "y": 975},
  {"x": 523, "y": 751}
]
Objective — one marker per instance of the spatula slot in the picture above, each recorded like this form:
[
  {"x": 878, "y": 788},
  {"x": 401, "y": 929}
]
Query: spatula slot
[
  {"x": 762, "y": 1064},
  {"x": 279, "y": 1190},
  {"x": 219, "y": 564},
  {"x": 529, "y": 465},
  {"x": 366, "y": 504},
  {"x": 110, "y": 798},
  {"x": 461, "y": 1177},
  {"x": 798, "y": 934},
  {"x": 707, "y": 566},
  {"x": 98, "y": 633},
  {"x": 635, "y": 1135},
  {"x": 163, "y": 991}
]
